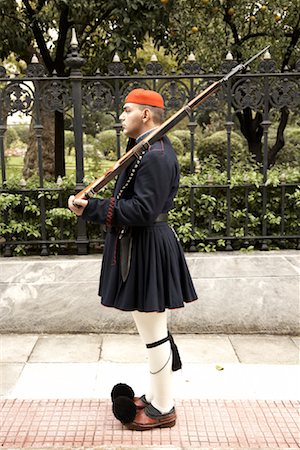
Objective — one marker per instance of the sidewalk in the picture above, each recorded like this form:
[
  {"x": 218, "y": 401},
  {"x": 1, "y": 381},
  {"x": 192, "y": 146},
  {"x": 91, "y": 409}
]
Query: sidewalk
[{"x": 234, "y": 392}]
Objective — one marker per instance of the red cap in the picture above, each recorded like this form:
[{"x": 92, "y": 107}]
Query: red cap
[{"x": 145, "y": 97}]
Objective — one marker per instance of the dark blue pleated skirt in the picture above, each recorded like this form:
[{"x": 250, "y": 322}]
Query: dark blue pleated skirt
[{"x": 158, "y": 278}]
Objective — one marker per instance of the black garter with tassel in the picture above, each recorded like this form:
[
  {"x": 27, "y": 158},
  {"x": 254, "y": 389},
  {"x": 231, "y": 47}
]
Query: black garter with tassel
[{"x": 176, "y": 361}]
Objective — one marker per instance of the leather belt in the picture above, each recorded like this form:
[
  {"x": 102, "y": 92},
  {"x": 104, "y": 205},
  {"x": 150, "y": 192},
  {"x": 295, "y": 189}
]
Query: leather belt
[{"x": 163, "y": 217}]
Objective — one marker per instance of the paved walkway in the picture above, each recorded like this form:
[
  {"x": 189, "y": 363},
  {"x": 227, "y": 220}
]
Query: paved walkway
[{"x": 234, "y": 392}]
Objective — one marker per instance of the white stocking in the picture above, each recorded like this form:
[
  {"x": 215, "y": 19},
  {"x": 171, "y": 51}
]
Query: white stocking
[{"x": 152, "y": 327}]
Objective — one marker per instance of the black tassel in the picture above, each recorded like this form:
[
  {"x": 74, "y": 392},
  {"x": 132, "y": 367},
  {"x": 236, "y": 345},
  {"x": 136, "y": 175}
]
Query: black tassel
[{"x": 176, "y": 361}]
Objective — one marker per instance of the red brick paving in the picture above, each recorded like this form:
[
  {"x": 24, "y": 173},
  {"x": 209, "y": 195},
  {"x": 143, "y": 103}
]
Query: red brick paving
[{"x": 201, "y": 423}]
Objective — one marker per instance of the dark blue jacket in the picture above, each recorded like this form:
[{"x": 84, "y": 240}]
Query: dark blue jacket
[{"x": 151, "y": 191}]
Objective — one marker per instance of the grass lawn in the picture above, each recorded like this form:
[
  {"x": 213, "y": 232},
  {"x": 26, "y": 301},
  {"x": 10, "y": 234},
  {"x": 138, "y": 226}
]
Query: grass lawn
[{"x": 14, "y": 166}]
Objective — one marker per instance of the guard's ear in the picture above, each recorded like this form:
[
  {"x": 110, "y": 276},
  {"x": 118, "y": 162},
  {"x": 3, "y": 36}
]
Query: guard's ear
[{"x": 146, "y": 114}]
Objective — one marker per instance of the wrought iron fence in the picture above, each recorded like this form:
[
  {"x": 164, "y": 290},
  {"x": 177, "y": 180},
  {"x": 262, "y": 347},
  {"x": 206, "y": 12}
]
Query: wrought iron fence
[{"x": 265, "y": 90}]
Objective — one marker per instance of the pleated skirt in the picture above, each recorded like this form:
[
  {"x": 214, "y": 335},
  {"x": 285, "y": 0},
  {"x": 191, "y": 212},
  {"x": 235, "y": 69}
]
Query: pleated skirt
[{"x": 158, "y": 278}]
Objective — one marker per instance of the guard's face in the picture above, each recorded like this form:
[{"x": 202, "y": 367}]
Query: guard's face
[{"x": 132, "y": 120}]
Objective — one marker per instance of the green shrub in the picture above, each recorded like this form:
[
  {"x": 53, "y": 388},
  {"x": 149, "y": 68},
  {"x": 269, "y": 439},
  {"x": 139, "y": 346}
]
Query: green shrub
[
  {"x": 103, "y": 146},
  {"x": 177, "y": 144},
  {"x": 210, "y": 207},
  {"x": 290, "y": 153},
  {"x": 23, "y": 132},
  {"x": 21, "y": 216},
  {"x": 21, "y": 213},
  {"x": 107, "y": 143},
  {"x": 185, "y": 164},
  {"x": 11, "y": 135},
  {"x": 216, "y": 144},
  {"x": 185, "y": 138},
  {"x": 69, "y": 142},
  {"x": 17, "y": 135}
]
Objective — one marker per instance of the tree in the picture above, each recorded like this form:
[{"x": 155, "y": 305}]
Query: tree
[
  {"x": 103, "y": 28},
  {"x": 210, "y": 28}
]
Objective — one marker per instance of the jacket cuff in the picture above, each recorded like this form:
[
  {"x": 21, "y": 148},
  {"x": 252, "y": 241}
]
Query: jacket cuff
[{"x": 99, "y": 211}]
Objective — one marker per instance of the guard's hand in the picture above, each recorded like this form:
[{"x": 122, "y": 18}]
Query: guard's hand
[{"x": 77, "y": 205}]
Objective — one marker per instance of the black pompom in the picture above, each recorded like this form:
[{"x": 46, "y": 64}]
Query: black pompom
[
  {"x": 121, "y": 390},
  {"x": 124, "y": 409}
]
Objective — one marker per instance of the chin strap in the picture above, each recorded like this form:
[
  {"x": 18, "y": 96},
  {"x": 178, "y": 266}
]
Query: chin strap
[{"x": 176, "y": 361}]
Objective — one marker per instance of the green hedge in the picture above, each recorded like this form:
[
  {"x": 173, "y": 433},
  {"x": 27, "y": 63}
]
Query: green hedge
[
  {"x": 20, "y": 211},
  {"x": 290, "y": 153},
  {"x": 103, "y": 146},
  {"x": 20, "y": 218},
  {"x": 185, "y": 138},
  {"x": 210, "y": 207},
  {"x": 216, "y": 145}
]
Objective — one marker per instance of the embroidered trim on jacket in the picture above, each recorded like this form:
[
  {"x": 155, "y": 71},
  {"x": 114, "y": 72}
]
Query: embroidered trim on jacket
[
  {"x": 131, "y": 175},
  {"x": 109, "y": 216}
]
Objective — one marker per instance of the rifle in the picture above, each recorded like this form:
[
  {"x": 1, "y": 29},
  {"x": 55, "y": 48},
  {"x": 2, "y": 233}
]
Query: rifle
[{"x": 90, "y": 190}]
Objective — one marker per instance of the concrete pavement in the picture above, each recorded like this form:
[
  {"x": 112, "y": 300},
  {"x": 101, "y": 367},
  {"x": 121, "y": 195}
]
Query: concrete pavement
[
  {"x": 87, "y": 366},
  {"x": 234, "y": 391}
]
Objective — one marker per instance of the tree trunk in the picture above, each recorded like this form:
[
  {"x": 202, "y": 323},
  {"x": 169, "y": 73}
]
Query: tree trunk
[
  {"x": 252, "y": 131},
  {"x": 54, "y": 165},
  {"x": 279, "y": 144},
  {"x": 31, "y": 157}
]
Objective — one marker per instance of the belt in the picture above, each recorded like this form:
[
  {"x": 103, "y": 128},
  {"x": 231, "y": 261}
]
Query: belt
[{"x": 163, "y": 217}]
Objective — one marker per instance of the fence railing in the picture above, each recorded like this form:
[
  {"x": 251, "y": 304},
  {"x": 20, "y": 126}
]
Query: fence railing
[{"x": 78, "y": 96}]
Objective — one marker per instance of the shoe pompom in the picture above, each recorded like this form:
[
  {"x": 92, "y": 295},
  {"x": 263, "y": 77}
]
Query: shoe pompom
[
  {"x": 124, "y": 409},
  {"x": 121, "y": 390}
]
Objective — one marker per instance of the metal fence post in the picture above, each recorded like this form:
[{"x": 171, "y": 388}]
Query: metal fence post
[
  {"x": 3, "y": 128},
  {"x": 75, "y": 62},
  {"x": 265, "y": 124}
]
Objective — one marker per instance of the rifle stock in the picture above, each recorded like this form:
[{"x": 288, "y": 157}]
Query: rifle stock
[{"x": 90, "y": 190}]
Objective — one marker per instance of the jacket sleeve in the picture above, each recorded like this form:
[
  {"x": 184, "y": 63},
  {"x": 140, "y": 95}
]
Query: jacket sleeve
[
  {"x": 99, "y": 211},
  {"x": 150, "y": 191}
]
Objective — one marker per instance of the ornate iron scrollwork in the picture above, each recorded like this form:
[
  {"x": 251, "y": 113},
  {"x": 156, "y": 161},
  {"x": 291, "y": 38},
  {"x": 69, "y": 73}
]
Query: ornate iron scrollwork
[
  {"x": 18, "y": 96},
  {"x": 97, "y": 96},
  {"x": 213, "y": 102},
  {"x": 247, "y": 93},
  {"x": 154, "y": 68},
  {"x": 192, "y": 68},
  {"x": 175, "y": 94},
  {"x": 116, "y": 69},
  {"x": 228, "y": 65},
  {"x": 35, "y": 70},
  {"x": 267, "y": 66},
  {"x": 285, "y": 92},
  {"x": 55, "y": 95}
]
